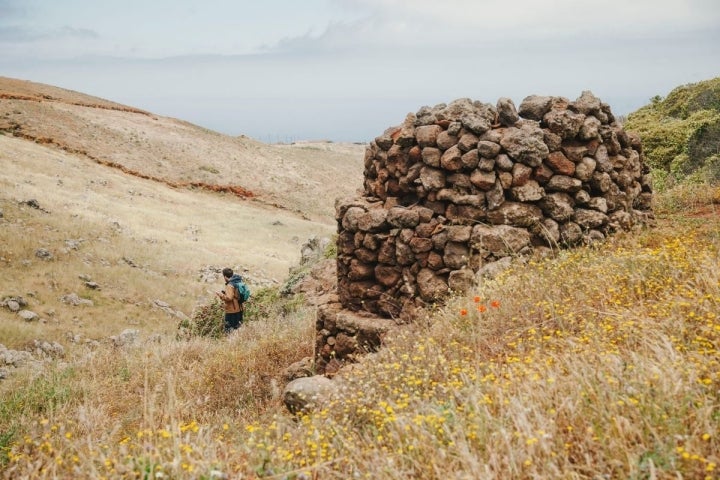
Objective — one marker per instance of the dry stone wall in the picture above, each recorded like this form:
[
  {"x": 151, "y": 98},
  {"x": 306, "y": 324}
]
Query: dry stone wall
[{"x": 457, "y": 187}]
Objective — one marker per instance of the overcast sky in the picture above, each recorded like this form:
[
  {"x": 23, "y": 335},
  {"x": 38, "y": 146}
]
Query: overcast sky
[{"x": 344, "y": 70}]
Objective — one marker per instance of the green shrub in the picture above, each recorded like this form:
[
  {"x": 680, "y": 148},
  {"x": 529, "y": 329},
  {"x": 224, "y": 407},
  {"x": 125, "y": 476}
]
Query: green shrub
[
  {"x": 207, "y": 320},
  {"x": 331, "y": 249},
  {"x": 271, "y": 302},
  {"x": 681, "y": 133}
]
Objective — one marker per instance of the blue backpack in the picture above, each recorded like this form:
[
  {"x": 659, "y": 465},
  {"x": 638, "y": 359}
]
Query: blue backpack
[{"x": 241, "y": 287}]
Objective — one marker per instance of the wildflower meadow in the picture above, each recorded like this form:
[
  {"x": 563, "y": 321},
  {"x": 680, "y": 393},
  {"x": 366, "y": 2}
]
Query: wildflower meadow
[{"x": 600, "y": 362}]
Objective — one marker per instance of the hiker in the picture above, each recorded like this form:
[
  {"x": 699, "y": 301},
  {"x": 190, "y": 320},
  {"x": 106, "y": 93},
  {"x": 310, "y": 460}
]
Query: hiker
[{"x": 233, "y": 304}]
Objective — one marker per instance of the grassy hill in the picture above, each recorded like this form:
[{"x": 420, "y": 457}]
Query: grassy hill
[
  {"x": 301, "y": 178},
  {"x": 602, "y": 362},
  {"x": 681, "y": 133}
]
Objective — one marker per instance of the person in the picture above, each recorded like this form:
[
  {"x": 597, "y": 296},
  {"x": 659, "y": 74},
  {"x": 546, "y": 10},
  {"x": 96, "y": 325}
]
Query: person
[{"x": 233, "y": 305}]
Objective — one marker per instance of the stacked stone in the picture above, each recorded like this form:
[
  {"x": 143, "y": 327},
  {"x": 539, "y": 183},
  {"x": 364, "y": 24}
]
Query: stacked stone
[{"x": 459, "y": 186}]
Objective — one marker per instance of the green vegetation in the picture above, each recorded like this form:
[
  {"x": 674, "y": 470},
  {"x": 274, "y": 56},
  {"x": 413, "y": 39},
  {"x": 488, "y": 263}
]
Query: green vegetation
[
  {"x": 207, "y": 319},
  {"x": 681, "y": 133}
]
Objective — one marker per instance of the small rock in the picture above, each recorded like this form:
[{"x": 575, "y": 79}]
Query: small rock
[
  {"x": 507, "y": 114},
  {"x": 161, "y": 304},
  {"x": 14, "y": 358},
  {"x": 92, "y": 285},
  {"x": 28, "y": 315},
  {"x": 126, "y": 337},
  {"x": 13, "y": 306},
  {"x": 74, "y": 300},
  {"x": 43, "y": 348},
  {"x": 43, "y": 254},
  {"x": 73, "y": 244},
  {"x": 73, "y": 337},
  {"x": 300, "y": 369}
]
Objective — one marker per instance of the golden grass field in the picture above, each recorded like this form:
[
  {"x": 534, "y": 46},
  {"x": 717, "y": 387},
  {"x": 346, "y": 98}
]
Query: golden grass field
[{"x": 600, "y": 363}]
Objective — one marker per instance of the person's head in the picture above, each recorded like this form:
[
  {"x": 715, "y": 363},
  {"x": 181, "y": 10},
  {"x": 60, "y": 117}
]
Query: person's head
[{"x": 227, "y": 272}]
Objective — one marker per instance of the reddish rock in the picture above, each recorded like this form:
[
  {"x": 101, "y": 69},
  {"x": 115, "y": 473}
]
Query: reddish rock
[
  {"x": 451, "y": 160},
  {"x": 470, "y": 160},
  {"x": 560, "y": 164},
  {"x": 431, "y": 156},
  {"x": 419, "y": 245},
  {"x": 467, "y": 142},
  {"x": 435, "y": 261},
  {"x": 387, "y": 275},
  {"x": 360, "y": 271},
  {"x": 575, "y": 151},
  {"x": 426, "y": 136},
  {"x": 542, "y": 174},
  {"x": 521, "y": 174},
  {"x": 483, "y": 180},
  {"x": 431, "y": 286},
  {"x": 445, "y": 140}
]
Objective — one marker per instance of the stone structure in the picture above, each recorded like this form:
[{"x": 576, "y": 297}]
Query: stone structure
[{"x": 458, "y": 187}]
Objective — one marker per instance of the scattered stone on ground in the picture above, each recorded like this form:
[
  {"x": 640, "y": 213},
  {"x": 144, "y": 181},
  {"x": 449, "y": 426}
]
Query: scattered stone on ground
[{"x": 74, "y": 300}]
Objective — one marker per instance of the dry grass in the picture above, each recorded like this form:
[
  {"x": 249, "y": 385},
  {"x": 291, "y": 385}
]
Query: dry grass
[
  {"x": 302, "y": 179},
  {"x": 174, "y": 230},
  {"x": 599, "y": 363}
]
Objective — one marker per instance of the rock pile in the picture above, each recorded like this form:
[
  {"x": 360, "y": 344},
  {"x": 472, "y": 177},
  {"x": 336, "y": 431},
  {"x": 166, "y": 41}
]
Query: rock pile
[{"x": 460, "y": 186}]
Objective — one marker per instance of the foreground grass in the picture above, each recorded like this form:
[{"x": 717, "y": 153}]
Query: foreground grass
[{"x": 600, "y": 363}]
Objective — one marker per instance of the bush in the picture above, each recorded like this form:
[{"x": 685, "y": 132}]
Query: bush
[
  {"x": 681, "y": 133},
  {"x": 206, "y": 321}
]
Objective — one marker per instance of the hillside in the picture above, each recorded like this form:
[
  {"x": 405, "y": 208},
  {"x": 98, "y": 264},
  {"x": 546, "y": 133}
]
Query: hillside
[
  {"x": 153, "y": 248},
  {"x": 597, "y": 362},
  {"x": 681, "y": 132},
  {"x": 600, "y": 363},
  {"x": 301, "y": 178}
]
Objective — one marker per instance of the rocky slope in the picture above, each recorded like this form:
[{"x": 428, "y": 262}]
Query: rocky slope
[{"x": 300, "y": 178}]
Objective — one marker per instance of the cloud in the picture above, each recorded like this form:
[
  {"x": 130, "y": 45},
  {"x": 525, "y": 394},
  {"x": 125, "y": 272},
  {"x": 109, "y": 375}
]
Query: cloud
[
  {"x": 22, "y": 42},
  {"x": 455, "y": 23},
  {"x": 9, "y": 9},
  {"x": 557, "y": 14},
  {"x": 18, "y": 34}
]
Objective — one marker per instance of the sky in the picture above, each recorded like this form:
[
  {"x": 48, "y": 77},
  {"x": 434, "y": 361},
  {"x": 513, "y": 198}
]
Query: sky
[{"x": 345, "y": 70}]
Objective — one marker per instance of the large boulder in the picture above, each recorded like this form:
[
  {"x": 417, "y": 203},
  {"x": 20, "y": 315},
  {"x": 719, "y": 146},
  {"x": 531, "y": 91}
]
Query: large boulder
[{"x": 305, "y": 394}]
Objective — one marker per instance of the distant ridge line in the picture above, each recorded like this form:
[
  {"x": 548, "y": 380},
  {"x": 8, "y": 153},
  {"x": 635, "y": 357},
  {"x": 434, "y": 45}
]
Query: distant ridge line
[{"x": 45, "y": 97}]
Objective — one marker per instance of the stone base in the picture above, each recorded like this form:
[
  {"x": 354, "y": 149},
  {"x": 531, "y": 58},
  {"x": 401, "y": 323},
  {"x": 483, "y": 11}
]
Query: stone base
[{"x": 342, "y": 335}]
